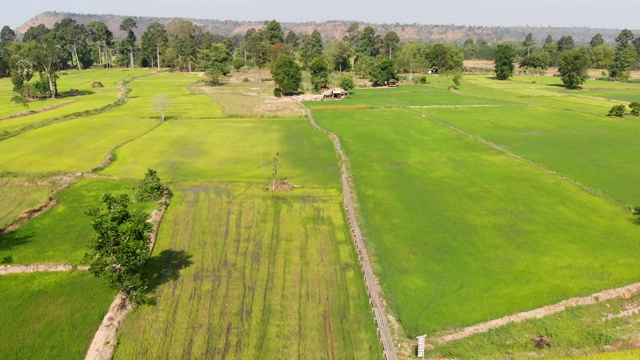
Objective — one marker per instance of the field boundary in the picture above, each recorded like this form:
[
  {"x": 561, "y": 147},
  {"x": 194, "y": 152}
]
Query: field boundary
[
  {"x": 45, "y": 267},
  {"x": 625, "y": 292},
  {"x": 375, "y": 299},
  {"x": 41, "y": 110}
]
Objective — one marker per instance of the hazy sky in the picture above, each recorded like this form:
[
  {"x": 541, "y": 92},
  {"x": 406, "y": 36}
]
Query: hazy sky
[{"x": 616, "y": 14}]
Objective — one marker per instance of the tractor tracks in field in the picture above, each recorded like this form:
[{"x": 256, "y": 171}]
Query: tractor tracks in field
[{"x": 377, "y": 304}]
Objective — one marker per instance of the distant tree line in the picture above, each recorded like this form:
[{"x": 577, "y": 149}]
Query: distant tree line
[{"x": 184, "y": 46}]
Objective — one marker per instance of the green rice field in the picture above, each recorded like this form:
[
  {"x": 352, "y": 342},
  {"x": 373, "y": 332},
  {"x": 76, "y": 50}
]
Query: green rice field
[{"x": 476, "y": 203}]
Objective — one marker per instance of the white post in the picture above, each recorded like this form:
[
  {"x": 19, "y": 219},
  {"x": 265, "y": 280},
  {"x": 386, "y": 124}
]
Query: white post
[{"x": 421, "y": 340}]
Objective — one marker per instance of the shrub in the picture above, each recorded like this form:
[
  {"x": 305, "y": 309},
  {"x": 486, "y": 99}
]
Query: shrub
[
  {"x": 277, "y": 92},
  {"x": 148, "y": 189},
  {"x": 635, "y": 108},
  {"x": 422, "y": 80},
  {"x": 97, "y": 84},
  {"x": 617, "y": 110},
  {"x": 347, "y": 83}
]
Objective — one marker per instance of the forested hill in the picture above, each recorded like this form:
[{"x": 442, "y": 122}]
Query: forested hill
[{"x": 336, "y": 29}]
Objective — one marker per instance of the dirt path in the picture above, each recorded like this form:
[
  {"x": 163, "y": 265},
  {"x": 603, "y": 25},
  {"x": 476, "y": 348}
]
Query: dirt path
[
  {"x": 31, "y": 112},
  {"x": 103, "y": 343},
  {"x": 625, "y": 292},
  {"x": 375, "y": 299},
  {"x": 31, "y": 268}
]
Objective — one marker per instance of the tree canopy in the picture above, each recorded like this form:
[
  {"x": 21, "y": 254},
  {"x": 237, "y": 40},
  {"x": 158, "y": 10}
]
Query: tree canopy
[
  {"x": 573, "y": 67},
  {"x": 120, "y": 245},
  {"x": 286, "y": 74},
  {"x": 505, "y": 55}
]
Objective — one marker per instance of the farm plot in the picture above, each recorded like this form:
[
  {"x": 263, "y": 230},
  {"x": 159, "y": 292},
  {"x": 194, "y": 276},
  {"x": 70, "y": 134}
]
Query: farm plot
[
  {"x": 49, "y": 110},
  {"x": 70, "y": 146},
  {"x": 408, "y": 95},
  {"x": 575, "y": 332},
  {"x": 463, "y": 233},
  {"x": 18, "y": 194},
  {"x": 50, "y": 315},
  {"x": 231, "y": 149},
  {"x": 61, "y": 233},
  {"x": 183, "y": 104},
  {"x": 597, "y": 151},
  {"x": 250, "y": 274}
]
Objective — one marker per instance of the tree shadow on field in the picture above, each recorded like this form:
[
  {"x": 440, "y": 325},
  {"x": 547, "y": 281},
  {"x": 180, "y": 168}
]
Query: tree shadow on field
[
  {"x": 165, "y": 267},
  {"x": 13, "y": 239}
]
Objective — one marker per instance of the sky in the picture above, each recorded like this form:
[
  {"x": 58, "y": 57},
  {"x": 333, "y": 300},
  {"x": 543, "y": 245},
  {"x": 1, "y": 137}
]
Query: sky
[{"x": 612, "y": 14}]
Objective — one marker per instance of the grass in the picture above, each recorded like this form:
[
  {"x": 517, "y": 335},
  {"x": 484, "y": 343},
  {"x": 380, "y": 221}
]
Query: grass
[
  {"x": 61, "y": 234},
  {"x": 463, "y": 233},
  {"x": 50, "y": 315},
  {"x": 69, "y": 106},
  {"x": 592, "y": 331},
  {"x": 248, "y": 94},
  {"x": 595, "y": 150},
  {"x": 18, "y": 194},
  {"x": 231, "y": 149},
  {"x": 406, "y": 95},
  {"x": 250, "y": 273}
]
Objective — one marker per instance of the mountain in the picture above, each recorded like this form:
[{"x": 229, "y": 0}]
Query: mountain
[{"x": 336, "y": 29}]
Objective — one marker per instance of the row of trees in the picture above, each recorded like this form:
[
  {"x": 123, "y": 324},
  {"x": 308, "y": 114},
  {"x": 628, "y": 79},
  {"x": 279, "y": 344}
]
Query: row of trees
[
  {"x": 183, "y": 45},
  {"x": 572, "y": 62}
]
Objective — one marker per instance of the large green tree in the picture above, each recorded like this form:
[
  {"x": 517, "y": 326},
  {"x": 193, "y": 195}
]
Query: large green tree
[
  {"x": 412, "y": 57},
  {"x": 7, "y": 34},
  {"x": 573, "y": 67},
  {"x": 153, "y": 41},
  {"x": 528, "y": 44},
  {"x": 381, "y": 71},
  {"x": 339, "y": 53},
  {"x": 390, "y": 44},
  {"x": 100, "y": 35},
  {"x": 286, "y": 74},
  {"x": 273, "y": 33},
  {"x": 183, "y": 40},
  {"x": 566, "y": 43},
  {"x": 504, "y": 55},
  {"x": 312, "y": 48},
  {"x": 45, "y": 54},
  {"x": 624, "y": 57},
  {"x": 120, "y": 246},
  {"x": 596, "y": 40},
  {"x": 446, "y": 57},
  {"x": 35, "y": 33},
  {"x": 72, "y": 36},
  {"x": 319, "y": 69},
  {"x": 129, "y": 43}
]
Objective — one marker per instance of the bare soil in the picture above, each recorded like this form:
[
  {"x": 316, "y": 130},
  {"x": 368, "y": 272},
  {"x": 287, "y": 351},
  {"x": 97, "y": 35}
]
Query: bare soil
[
  {"x": 280, "y": 185},
  {"x": 23, "y": 269}
]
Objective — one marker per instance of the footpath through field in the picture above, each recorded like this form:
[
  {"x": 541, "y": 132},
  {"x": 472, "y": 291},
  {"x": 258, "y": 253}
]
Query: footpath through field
[{"x": 379, "y": 312}]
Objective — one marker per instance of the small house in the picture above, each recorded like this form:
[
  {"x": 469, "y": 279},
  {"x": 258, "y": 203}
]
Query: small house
[
  {"x": 335, "y": 93},
  {"x": 392, "y": 83}
]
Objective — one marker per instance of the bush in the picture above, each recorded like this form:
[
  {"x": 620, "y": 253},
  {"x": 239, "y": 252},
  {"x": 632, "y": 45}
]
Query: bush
[
  {"x": 617, "y": 110},
  {"x": 422, "y": 80},
  {"x": 347, "y": 83},
  {"x": 635, "y": 108},
  {"x": 97, "y": 84},
  {"x": 277, "y": 92},
  {"x": 148, "y": 189}
]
